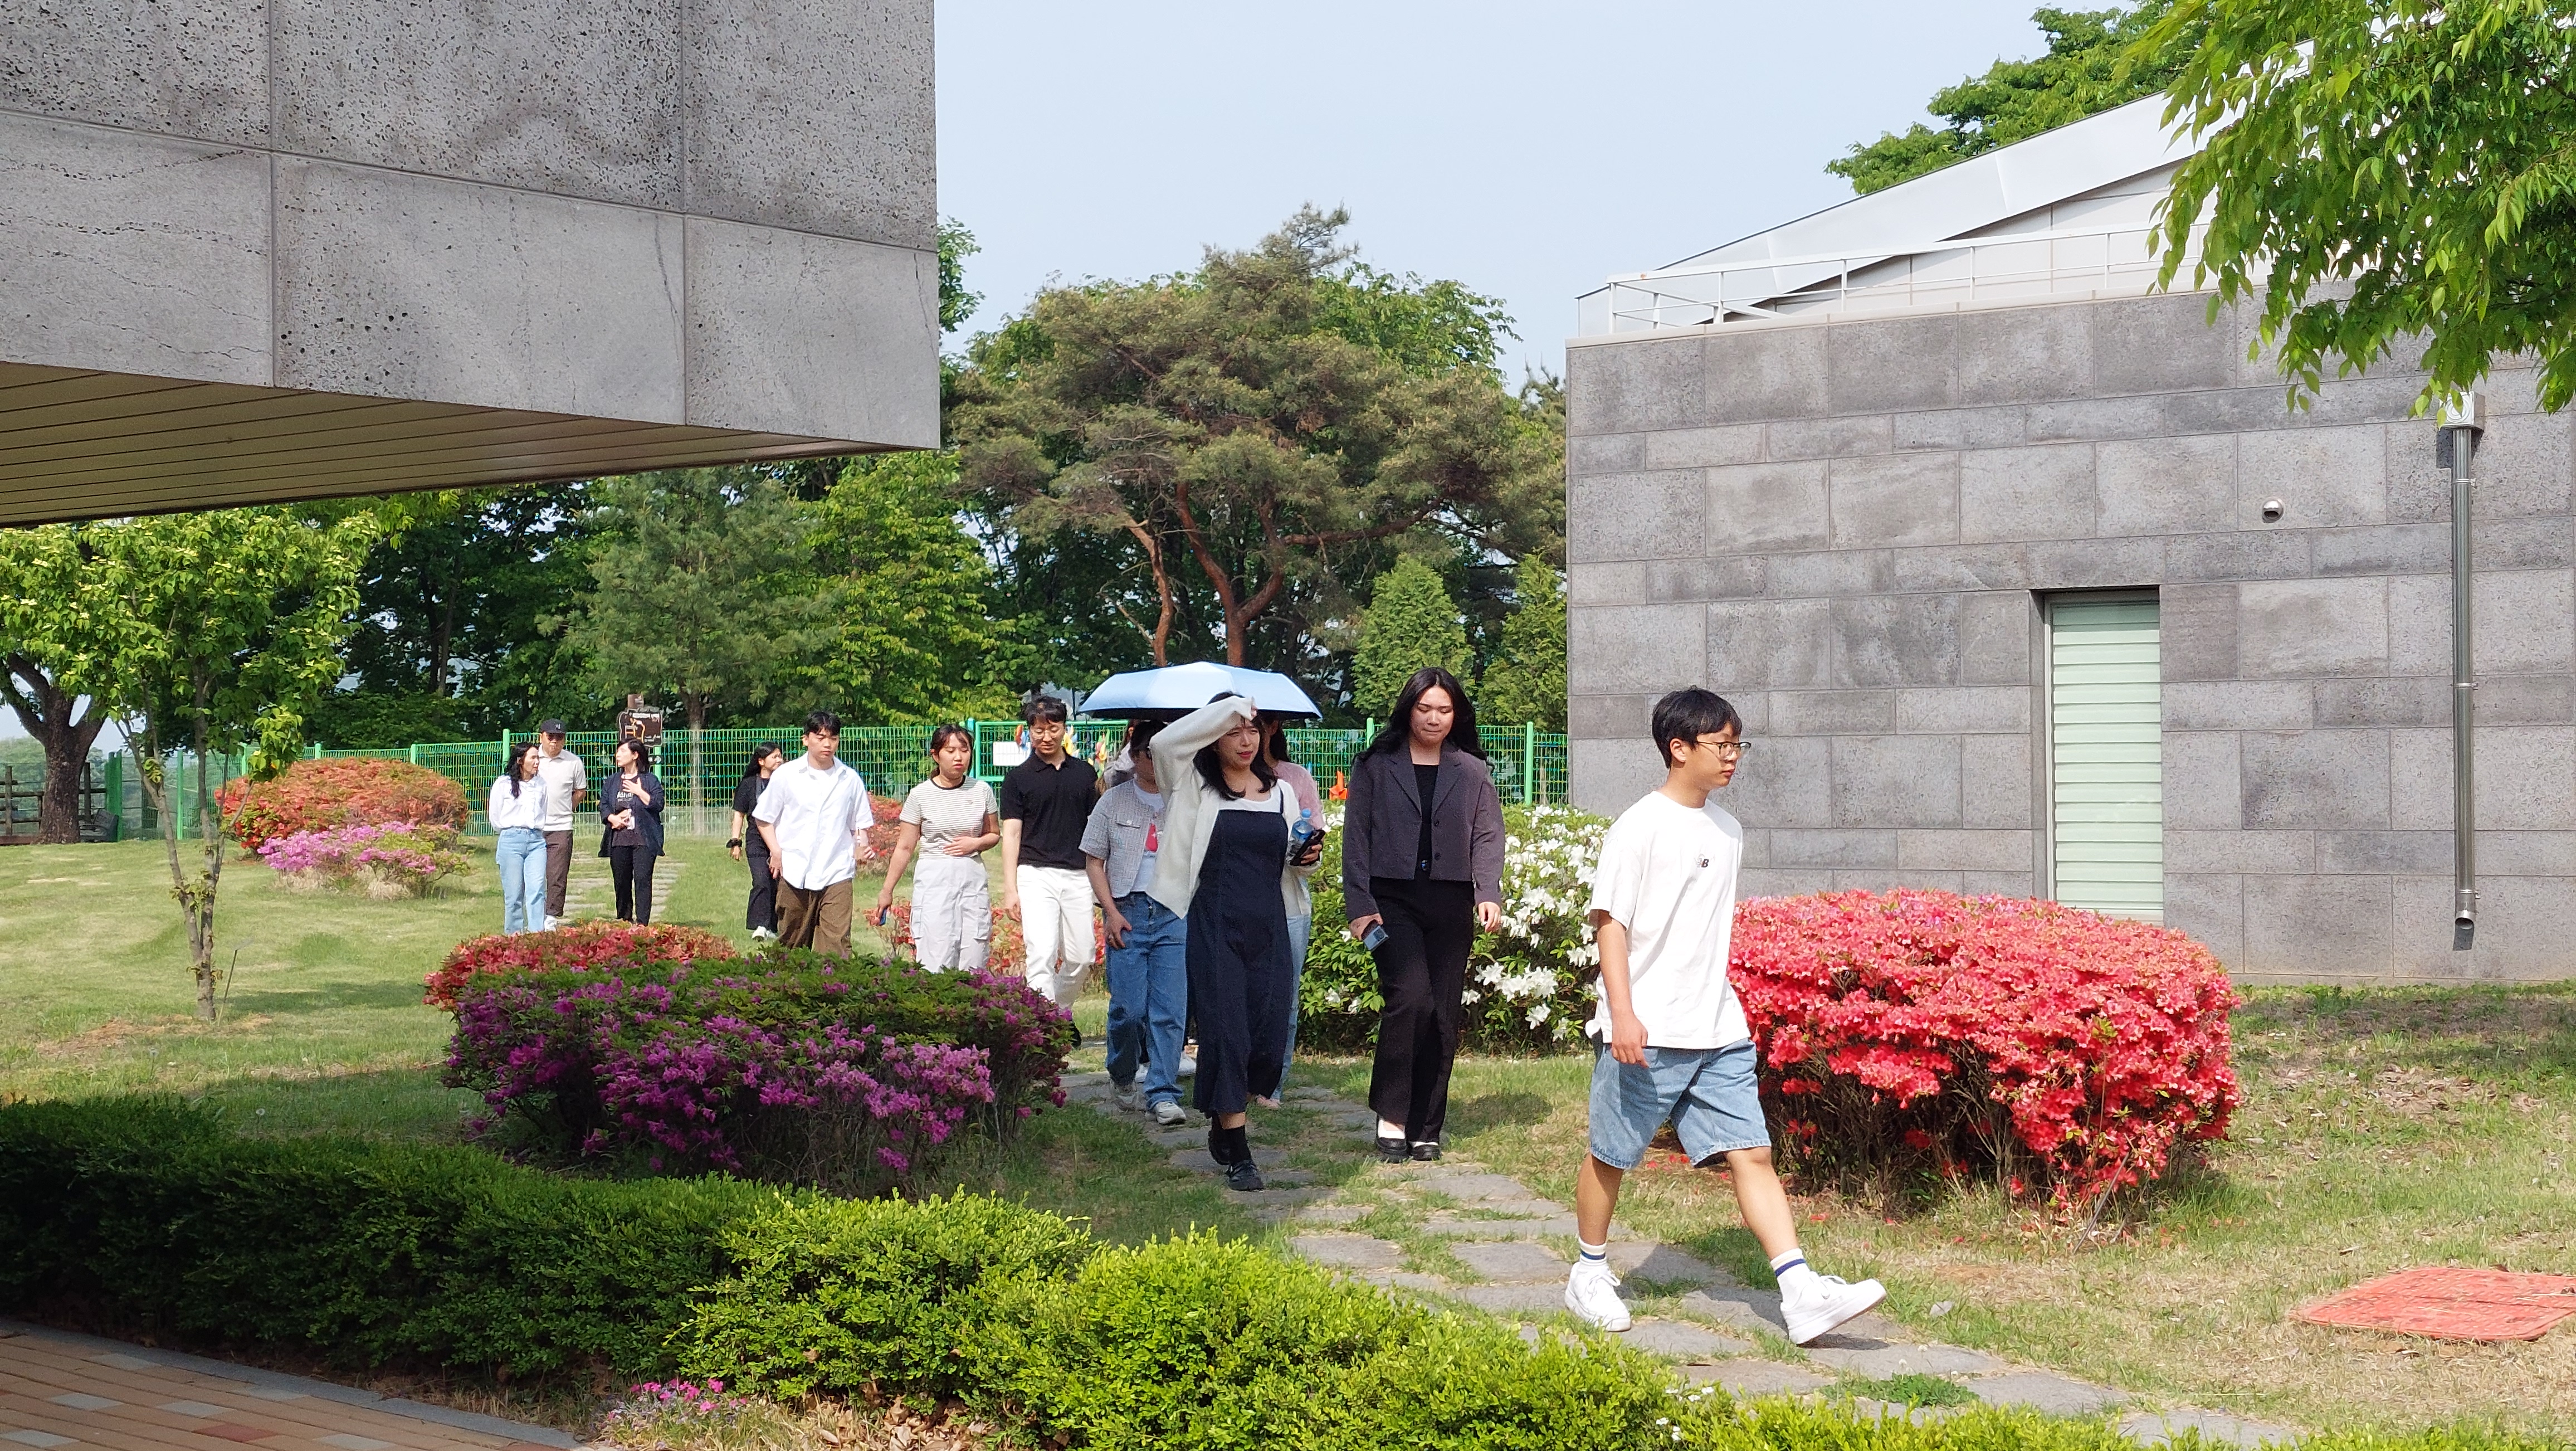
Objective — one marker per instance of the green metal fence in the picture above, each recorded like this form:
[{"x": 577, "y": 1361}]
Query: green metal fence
[{"x": 700, "y": 768}]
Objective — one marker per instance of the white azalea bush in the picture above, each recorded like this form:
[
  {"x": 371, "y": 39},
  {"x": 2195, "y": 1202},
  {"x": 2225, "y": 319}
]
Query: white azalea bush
[{"x": 1529, "y": 986}]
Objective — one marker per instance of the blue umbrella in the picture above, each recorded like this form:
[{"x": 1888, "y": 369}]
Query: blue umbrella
[{"x": 1182, "y": 688}]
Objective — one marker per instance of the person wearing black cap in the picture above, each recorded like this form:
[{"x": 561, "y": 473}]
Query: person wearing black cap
[{"x": 561, "y": 773}]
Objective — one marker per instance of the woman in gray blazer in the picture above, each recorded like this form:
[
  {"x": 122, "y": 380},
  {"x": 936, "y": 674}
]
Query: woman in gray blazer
[{"x": 1422, "y": 858}]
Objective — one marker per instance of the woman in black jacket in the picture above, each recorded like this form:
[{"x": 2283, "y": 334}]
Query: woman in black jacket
[
  {"x": 630, "y": 809},
  {"x": 1422, "y": 857}
]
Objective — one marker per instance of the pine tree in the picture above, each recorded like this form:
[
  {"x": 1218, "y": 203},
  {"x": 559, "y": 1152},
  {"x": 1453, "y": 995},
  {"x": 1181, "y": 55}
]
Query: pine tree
[
  {"x": 1526, "y": 681},
  {"x": 1411, "y": 624}
]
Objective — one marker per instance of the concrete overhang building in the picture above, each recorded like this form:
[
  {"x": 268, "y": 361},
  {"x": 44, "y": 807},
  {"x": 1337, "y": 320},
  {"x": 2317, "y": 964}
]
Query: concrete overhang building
[
  {"x": 2029, "y": 581},
  {"x": 256, "y": 250}
]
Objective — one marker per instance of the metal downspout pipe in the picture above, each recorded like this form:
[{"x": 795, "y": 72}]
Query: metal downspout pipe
[{"x": 2463, "y": 420}]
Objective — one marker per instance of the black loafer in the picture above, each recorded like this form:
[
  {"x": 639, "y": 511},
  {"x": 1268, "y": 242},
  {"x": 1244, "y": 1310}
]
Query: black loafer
[
  {"x": 1391, "y": 1150},
  {"x": 1426, "y": 1153},
  {"x": 1243, "y": 1175}
]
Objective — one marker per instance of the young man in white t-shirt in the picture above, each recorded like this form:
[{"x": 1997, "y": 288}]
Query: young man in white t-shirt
[{"x": 1672, "y": 1041}]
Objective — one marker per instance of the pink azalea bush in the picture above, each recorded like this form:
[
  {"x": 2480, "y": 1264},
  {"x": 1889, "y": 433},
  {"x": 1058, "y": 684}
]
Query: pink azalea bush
[
  {"x": 1924, "y": 1031},
  {"x": 387, "y": 859},
  {"x": 792, "y": 1067}
]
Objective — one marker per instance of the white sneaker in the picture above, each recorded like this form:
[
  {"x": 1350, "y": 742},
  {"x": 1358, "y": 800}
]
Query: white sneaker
[
  {"x": 1131, "y": 1098},
  {"x": 553, "y": 922},
  {"x": 1828, "y": 1301},
  {"x": 1189, "y": 1066},
  {"x": 1167, "y": 1114},
  {"x": 763, "y": 934},
  {"x": 1592, "y": 1293}
]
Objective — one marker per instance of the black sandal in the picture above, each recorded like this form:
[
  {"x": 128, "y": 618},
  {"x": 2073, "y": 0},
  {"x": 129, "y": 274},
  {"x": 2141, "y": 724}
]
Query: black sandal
[{"x": 1391, "y": 1150}]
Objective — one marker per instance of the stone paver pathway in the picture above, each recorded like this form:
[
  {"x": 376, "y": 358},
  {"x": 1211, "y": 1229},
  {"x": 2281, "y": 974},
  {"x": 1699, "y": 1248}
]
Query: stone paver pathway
[
  {"x": 75, "y": 1391},
  {"x": 1458, "y": 1231}
]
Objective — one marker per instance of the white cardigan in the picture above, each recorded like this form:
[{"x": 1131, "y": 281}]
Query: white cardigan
[{"x": 1190, "y": 809}]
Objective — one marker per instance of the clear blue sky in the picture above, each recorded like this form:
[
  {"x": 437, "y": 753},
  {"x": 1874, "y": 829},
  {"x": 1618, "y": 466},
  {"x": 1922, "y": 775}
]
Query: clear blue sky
[{"x": 1527, "y": 150}]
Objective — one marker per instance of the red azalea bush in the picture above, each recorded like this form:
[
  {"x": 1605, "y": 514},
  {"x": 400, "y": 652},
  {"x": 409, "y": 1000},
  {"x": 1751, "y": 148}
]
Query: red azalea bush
[
  {"x": 1928, "y": 1031},
  {"x": 341, "y": 791},
  {"x": 581, "y": 947},
  {"x": 793, "y": 1067}
]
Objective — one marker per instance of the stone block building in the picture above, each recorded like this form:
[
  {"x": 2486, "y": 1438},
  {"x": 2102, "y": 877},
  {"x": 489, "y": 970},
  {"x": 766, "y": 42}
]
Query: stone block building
[
  {"x": 270, "y": 249},
  {"x": 2029, "y": 581}
]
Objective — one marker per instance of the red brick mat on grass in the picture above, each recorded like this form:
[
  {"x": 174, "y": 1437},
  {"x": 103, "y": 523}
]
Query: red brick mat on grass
[{"x": 2452, "y": 1303}]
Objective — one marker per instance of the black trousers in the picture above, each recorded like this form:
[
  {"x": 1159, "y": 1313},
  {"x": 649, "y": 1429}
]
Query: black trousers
[
  {"x": 1422, "y": 974},
  {"x": 763, "y": 908},
  {"x": 632, "y": 869}
]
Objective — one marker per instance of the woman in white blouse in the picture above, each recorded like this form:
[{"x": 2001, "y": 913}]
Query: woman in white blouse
[
  {"x": 518, "y": 814},
  {"x": 1231, "y": 866}
]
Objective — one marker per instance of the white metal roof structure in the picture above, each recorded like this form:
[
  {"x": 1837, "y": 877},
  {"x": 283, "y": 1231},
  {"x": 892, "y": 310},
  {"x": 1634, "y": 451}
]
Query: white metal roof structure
[{"x": 2063, "y": 214}]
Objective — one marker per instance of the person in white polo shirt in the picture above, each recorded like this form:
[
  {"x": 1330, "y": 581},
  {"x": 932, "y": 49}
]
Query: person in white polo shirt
[
  {"x": 563, "y": 777},
  {"x": 815, "y": 817}
]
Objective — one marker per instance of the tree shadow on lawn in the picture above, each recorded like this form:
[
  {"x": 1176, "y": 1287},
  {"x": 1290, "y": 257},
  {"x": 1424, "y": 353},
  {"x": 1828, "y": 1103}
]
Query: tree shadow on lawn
[
  {"x": 2521, "y": 1034},
  {"x": 406, "y": 1104}
]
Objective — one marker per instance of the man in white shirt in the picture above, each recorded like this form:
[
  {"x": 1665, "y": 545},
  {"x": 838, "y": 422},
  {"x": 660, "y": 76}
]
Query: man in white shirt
[
  {"x": 814, "y": 814},
  {"x": 564, "y": 779},
  {"x": 1673, "y": 1045}
]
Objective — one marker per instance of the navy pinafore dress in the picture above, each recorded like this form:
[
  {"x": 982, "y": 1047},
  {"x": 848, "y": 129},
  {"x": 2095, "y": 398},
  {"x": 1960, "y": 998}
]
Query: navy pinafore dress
[{"x": 1241, "y": 980}]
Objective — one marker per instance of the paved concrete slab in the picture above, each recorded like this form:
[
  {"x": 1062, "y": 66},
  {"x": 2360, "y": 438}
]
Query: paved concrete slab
[
  {"x": 1449, "y": 1226},
  {"x": 1510, "y": 1261},
  {"x": 1736, "y": 1305},
  {"x": 1406, "y": 1280},
  {"x": 1348, "y": 1251},
  {"x": 1331, "y": 1213},
  {"x": 1508, "y": 1298},
  {"x": 2157, "y": 1427},
  {"x": 1680, "y": 1338},
  {"x": 65, "y": 1390},
  {"x": 1664, "y": 1265},
  {"x": 1472, "y": 1187},
  {"x": 1760, "y": 1377},
  {"x": 2041, "y": 1391},
  {"x": 1878, "y": 1359}
]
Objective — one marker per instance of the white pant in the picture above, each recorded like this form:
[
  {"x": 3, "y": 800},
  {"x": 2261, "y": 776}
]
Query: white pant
[
  {"x": 952, "y": 912},
  {"x": 1055, "y": 926}
]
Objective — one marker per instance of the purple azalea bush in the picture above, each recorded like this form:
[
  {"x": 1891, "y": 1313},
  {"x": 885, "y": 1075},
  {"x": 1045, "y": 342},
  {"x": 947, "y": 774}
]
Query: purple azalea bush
[
  {"x": 403, "y": 857},
  {"x": 793, "y": 1067}
]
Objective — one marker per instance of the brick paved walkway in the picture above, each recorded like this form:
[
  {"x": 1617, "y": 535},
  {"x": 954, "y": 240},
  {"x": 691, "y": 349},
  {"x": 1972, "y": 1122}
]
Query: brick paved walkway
[{"x": 64, "y": 1390}]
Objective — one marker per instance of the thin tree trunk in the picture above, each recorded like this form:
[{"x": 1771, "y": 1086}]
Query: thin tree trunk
[{"x": 1153, "y": 547}]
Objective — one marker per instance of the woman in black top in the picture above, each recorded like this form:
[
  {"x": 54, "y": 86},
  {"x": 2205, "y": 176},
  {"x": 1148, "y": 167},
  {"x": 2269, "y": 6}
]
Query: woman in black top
[
  {"x": 761, "y": 915},
  {"x": 1422, "y": 857},
  {"x": 631, "y": 810}
]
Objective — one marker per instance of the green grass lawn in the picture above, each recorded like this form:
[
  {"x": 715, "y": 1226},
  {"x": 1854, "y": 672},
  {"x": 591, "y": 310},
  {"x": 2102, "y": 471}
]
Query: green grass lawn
[{"x": 2381, "y": 1130}]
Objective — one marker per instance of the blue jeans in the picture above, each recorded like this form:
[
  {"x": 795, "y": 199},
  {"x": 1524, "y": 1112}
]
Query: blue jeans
[
  {"x": 1301, "y": 931},
  {"x": 1149, "y": 997},
  {"x": 522, "y": 855}
]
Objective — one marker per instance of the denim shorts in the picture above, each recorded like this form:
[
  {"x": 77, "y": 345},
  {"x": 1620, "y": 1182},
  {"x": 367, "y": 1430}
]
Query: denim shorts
[{"x": 1706, "y": 1093}]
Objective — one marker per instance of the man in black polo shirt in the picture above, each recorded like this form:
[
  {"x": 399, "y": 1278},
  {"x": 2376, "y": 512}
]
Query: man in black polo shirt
[{"x": 1046, "y": 800}]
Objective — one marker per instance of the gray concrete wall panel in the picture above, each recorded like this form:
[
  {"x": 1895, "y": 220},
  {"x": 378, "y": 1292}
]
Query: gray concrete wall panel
[
  {"x": 133, "y": 254},
  {"x": 792, "y": 326},
  {"x": 196, "y": 69},
  {"x": 575, "y": 97},
  {"x": 1896, "y": 498},
  {"x": 1645, "y": 516},
  {"x": 403, "y": 286},
  {"x": 814, "y": 115}
]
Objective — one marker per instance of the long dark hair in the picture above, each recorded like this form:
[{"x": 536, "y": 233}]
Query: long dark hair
[
  {"x": 510, "y": 763},
  {"x": 760, "y": 753},
  {"x": 1399, "y": 726},
  {"x": 1212, "y": 769}
]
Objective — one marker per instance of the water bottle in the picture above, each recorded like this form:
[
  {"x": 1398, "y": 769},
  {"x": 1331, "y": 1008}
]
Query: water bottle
[{"x": 1301, "y": 833}]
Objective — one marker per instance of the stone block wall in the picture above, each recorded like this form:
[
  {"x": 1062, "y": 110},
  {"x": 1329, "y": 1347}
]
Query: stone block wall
[
  {"x": 1847, "y": 528},
  {"x": 715, "y": 216}
]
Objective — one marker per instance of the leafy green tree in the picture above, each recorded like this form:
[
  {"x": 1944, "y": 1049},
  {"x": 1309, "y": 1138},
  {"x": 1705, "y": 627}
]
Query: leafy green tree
[
  {"x": 444, "y": 642},
  {"x": 1411, "y": 625},
  {"x": 54, "y": 623},
  {"x": 910, "y": 594},
  {"x": 1244, "y": 447},
  {"x": 1526, "y": 679},
  {"x": 2089, "y": 67},
  {"x": 2384, "y": 174},
  {"x": 956, "y": 304},
  {"x": 228, "y": 626},
  {"x": 700, "y": 589}
]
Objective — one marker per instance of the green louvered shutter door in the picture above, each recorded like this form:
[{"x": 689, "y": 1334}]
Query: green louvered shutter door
[{"x": 2106, "y": 756}]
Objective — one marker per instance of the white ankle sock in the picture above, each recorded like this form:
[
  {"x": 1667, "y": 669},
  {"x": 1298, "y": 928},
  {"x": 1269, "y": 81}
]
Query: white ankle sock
[
  {"x": 1387, "y": 1130},
  {"x": 1790, "y": 1266},
  {"x": 1594, "y": 1254}
]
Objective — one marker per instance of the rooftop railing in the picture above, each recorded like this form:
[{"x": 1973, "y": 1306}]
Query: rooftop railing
[{"x": 1962, "y": 272}]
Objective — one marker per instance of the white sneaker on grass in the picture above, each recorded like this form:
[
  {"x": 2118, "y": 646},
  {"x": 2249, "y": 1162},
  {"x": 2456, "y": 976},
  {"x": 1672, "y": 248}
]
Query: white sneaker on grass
[
  {"x": 1823, "y": 1302},
  {"x": 1592, "y": 1293},
  {"x": 1167, "y": 1114},
  {"x": 1131, "y": 1098},
  {"x": 1188, "y": 1068}
]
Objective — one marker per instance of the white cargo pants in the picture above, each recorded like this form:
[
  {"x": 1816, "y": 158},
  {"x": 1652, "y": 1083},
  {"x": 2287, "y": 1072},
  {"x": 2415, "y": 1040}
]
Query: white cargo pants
[
  {"x": 1055, "y": 927},
  {"x": 952, "y": 912}
]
